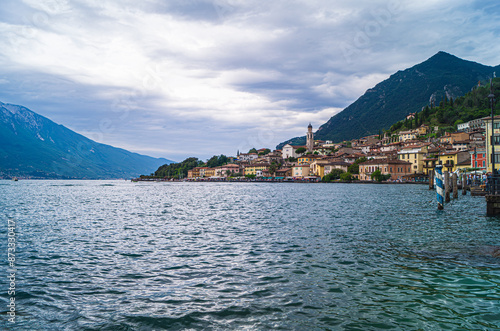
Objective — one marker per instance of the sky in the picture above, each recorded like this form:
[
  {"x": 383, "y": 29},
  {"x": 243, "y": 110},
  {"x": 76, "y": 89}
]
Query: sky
[{"x": 181, "y": 78}]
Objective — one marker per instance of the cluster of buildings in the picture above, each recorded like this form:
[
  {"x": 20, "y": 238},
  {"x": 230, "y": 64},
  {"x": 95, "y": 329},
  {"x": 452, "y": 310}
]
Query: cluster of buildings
[{"x": 407, "y": 156}]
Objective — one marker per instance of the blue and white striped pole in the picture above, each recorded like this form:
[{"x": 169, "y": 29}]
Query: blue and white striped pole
[{"x": 439, "y": 186}]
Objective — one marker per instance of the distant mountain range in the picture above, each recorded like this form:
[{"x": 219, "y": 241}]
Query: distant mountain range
[
  {"x": 33, "y": 146},
  {"x": 402, "y": 93}
]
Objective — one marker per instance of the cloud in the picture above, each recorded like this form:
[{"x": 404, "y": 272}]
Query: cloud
[{"x": 202, "y": 77}]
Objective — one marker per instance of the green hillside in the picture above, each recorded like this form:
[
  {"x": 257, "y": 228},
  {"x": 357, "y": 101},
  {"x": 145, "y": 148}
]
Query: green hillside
[{"x": 449, "y": 113}]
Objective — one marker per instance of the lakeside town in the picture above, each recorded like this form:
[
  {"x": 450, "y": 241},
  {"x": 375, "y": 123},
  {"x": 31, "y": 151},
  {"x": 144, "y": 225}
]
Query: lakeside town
[{"x": 405, "y": 156}]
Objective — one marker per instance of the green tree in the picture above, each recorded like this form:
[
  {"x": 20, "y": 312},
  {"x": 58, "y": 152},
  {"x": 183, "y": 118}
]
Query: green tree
[
  {"x": 346, "y": 176},
  {"x": 354, "y": 168},
  {"x": 272, "y": 168},
  {"x": 301, "y": 150},
  {"x": 216, "y": 161},
  {"x": 253, "y": 150},
  {"x": 265, "y": 152},
  {"x": 333, "y": 175},
  {"x": 177, "y": 170}
]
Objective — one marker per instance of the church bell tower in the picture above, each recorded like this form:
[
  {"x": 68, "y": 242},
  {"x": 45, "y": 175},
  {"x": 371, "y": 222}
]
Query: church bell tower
[{"x": 310, "y": 138}]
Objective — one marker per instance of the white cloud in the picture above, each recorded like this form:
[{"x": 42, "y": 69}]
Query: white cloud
[{"x": 235, "y": 68}]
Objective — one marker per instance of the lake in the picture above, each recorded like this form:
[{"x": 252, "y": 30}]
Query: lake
[{"x": 116, "y": 255}]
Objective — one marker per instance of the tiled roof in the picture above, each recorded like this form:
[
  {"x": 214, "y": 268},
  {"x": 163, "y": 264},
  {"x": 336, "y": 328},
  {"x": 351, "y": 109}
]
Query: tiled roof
[{"x": 385, "y": 161}]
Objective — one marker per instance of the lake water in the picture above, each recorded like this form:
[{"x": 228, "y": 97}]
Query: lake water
[{"x": 116, "y": 255}]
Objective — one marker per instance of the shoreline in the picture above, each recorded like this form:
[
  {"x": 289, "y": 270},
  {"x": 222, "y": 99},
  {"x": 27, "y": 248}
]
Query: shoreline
[{"x": 273, "y": 181}]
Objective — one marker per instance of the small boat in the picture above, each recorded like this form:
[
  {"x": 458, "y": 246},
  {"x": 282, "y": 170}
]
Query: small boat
[{"x": 14, "y": 179}]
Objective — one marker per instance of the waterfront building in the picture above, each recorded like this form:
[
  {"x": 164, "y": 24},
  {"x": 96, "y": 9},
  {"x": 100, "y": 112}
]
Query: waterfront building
[
  {"x": 257, "y": 169},
  {"x": 415, "y": 155},
  {"x": 195, "y": 172},
  {"x": 429, "y": 163},
  {"x": 224, "y": 170},
  {"x": 317, "y": 166},
  {"x": 285, "y": 172},
  {"x": 328, "y": 167},
  {"x": 396, "y": 168},
  {"x": 451, "y": 160},
  {"x": 301, "y": 171}
]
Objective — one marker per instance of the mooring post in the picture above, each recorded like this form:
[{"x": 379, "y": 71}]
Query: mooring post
[
  {"x": 439, "y": 186},
  {"x": 455, "y": 185},
  {"x": 431, "y": 180},
  {"x": 446, "y": 186},
  {"x": 464, "y": 184}
]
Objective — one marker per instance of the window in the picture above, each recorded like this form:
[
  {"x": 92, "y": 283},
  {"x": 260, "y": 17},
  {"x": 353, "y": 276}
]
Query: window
[{"x": 497, "y": 158}]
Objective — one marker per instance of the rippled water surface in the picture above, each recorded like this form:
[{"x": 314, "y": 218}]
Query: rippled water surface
[{"x": 116, "y": 255}]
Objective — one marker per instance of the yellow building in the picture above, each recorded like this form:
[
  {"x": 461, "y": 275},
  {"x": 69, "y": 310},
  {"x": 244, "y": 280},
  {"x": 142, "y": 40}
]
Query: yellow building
[
  {"x": 422, "y": 130},
  {"x": 209, "y": 172},
  {"x": 415, "y": 155},
  {"x": 407, "y": 135},
  {"x": 256, "y": 169},
  {"x": 452, "y": 160},
  {"x": 489, "y": 150},
  {"x": 317, "y": 167},
  {"x": 307, "y": 159},
  {"x": 429, "y": 164}
]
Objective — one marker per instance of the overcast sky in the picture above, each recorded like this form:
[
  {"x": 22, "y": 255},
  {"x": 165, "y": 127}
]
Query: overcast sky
[{"x": 179, "y": 78}]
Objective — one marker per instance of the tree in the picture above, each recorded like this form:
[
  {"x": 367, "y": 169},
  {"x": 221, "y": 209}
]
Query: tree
[
  {"x": 354, "y": 168},
  {"x": 272, "y": 168},
  {"x": 301, "y": 150},
  {"x": 265, "y": 152},
  {"x": 176, "y": 170},
  {"x": 346, "y": 176},
  {"x": 333, "y": 175},
  {"x": 216, "y": 161},
  {"x": 379, "y": 177},
  {"x": 253, "y": 150}
]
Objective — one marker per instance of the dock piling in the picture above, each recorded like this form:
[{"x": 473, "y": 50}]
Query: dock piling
[
  {"x": 431, "y": 180},
  {"x": 439, "y": 186},
  {"x": 464, "y": 184},
  {"x": 446, "y": 186},
  {"x": 454, "y": 182}
]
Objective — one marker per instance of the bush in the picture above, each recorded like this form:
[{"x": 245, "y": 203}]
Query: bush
[
  {"x": 379, "y": 177},
  {"x": 346, "y": 176},
  {"x": 333, "y": 175}
]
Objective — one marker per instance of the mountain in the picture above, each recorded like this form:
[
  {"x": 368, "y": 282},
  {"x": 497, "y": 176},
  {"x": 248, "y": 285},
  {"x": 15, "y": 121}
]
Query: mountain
[
  {"x": 33, "y": 146},
  {"x": 402, "y": 93}
]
